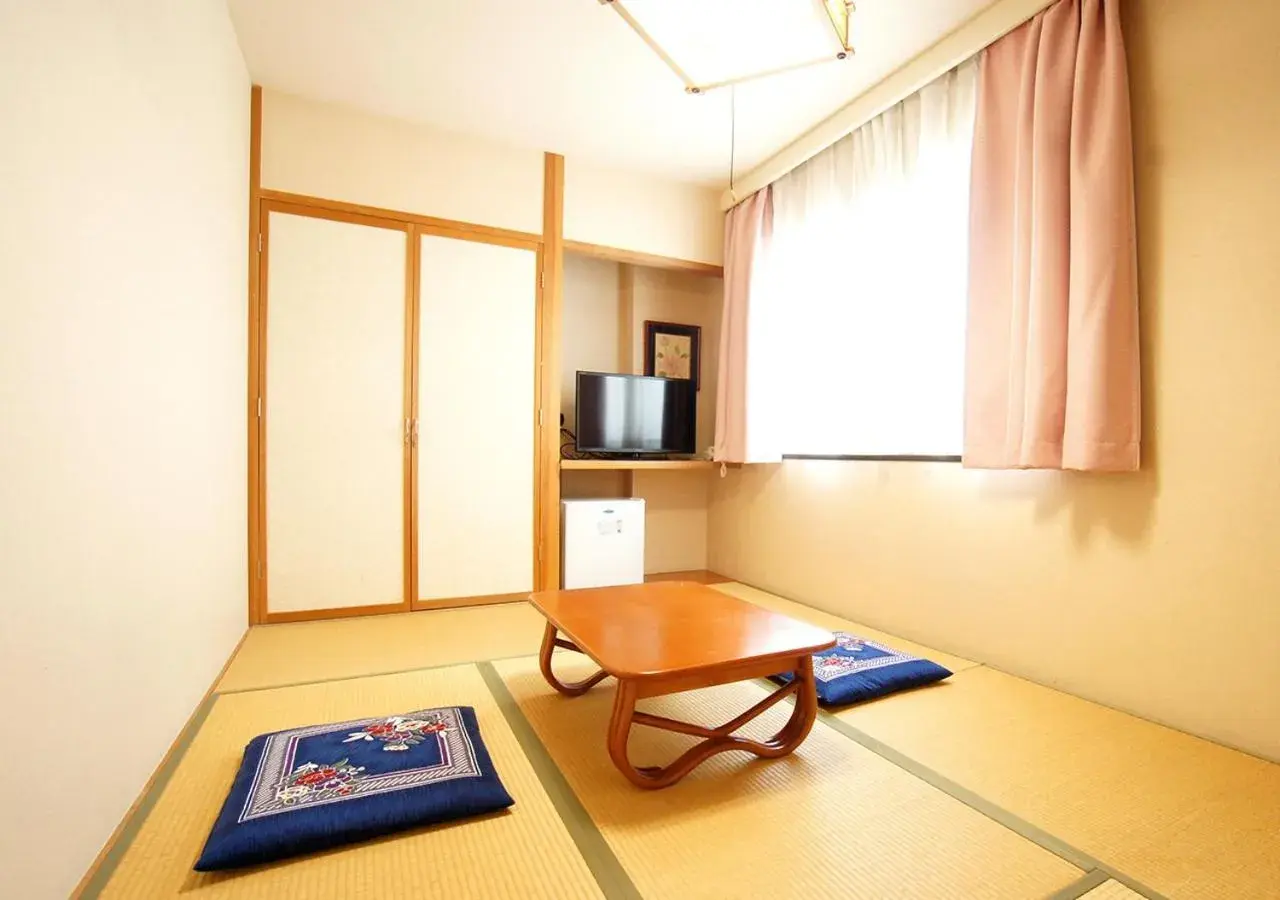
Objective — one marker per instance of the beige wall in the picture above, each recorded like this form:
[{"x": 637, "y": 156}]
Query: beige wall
[
  {"x": 330, "y": 151},
  {"x": 666, "y": 295},
  {"x": 589, "y": 343},
  {"x": 123, "y": 229},
  {"x": 677, "y": 502},
  {"x": 675, "y": 537},
  {"x": 327, "y": 150},
  {"x": 637, "y": 212},
  {"x": 1157, "y": 593},
  {"x": 589, "y": 333}
]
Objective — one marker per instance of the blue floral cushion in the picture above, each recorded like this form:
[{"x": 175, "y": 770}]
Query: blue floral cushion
[
  {"x": 856, "y": 669},
  {"x": 323, "y": 786}
]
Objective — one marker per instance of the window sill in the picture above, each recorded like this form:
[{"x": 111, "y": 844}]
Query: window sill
[{"x": 903, "y": 457}]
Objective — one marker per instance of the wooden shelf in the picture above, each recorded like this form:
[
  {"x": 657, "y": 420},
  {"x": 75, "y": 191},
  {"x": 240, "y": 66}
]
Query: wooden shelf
[{"x": 666, "y": 465}]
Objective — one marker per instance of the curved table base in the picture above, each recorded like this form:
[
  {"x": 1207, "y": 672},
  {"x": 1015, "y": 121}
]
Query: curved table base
[
  {"x": 572, "y": 688},
  {"x": 717, "y": 740}
]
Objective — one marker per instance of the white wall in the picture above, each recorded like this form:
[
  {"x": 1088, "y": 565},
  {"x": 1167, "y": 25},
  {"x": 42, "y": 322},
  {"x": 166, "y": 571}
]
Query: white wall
[
  {"x": 639, "y": 213},
  {"x": 123, "y": 228},
  {"x": 330, "y": 151}
]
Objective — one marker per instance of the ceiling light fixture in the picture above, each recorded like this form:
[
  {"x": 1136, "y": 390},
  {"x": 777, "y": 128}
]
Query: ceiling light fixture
[
  {"x": 839, "y": 12},
  {"x": 714, "y": 43}
]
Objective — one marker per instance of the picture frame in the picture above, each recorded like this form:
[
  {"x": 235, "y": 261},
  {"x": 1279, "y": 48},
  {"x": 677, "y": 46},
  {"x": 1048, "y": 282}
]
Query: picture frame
[{"x": 673, "y": 350}]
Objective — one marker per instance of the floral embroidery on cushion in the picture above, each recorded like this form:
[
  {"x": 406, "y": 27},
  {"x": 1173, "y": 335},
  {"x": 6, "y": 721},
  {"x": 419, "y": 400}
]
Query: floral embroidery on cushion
[
  {"x": 848, "y": 642},
  {"x": 311, "y": 781},
  {"x": 400, "y": 733},
  {"x": 440, "y": 744},
  {"x": 829, "y": 667},
  {"x": 853, "y": 656}
]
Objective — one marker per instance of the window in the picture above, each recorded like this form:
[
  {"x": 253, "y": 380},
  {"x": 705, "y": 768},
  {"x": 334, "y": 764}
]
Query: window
[{"x": 864, "y": 289}]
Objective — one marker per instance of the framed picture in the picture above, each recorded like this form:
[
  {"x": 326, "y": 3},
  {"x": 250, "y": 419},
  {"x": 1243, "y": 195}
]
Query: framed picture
[{"x": 673, "y": 351}]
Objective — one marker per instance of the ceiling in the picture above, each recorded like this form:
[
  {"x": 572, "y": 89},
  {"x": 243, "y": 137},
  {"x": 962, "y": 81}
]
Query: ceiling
[{"x": 566, "y": 75}]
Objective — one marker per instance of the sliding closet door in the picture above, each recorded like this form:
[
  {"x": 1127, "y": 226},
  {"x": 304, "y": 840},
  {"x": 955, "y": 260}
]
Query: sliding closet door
[
  {"x": 335, "y": 433},
  {"x": 477, "y": 307}
]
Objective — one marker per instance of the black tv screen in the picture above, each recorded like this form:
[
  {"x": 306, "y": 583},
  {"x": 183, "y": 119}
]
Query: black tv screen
[{"x": 635, "y": 414}]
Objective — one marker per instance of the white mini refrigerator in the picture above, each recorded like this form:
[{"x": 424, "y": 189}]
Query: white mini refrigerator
[{"x": 602, "y": 542}]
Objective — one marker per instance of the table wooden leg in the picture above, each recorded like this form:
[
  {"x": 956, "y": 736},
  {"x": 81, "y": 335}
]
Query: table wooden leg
[
  {"x": 718, "y": 740},
  {"x": 573, "y": 688}
]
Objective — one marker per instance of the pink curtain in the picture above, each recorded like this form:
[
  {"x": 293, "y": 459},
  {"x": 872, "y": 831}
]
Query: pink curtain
[
  {"x": 1051, "y": 373},
  {"x": 746, "y": 229}
]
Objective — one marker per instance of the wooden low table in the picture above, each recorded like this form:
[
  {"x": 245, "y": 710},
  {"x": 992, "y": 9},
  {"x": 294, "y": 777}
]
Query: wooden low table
[{"x": 667, "y": 637}]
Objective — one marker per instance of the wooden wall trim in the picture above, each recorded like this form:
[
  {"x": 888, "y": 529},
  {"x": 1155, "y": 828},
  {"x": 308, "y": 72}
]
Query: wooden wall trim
[
  {"x": 270, "y": 205},
  {"x": 254, "y": 423},
  {"x": 412, "y": 275},
  {"x": 465, "y": 231},
  {"x": 550, "y": 312},
  {"x": 260, "y": 328},
  {"x": 341, "y": 612},
  {"x": 635, "y": 258},
  {"x": 464, "y": 602},
  {"x": 539, "y": 294},
  {"x": 383, "y": 609}
]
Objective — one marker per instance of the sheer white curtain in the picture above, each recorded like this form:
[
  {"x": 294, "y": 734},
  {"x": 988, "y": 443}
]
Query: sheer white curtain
[{"x": 866, "y": 283}]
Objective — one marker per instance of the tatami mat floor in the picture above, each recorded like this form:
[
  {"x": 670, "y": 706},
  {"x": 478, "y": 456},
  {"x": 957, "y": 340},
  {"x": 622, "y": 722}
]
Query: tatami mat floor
[
  {"x": 1112, "y": 890},
  {"x": 984, "y": 786},
  {"x": 526, "y": 855},
  {"x": 1188, "y": 817},
  {"x": 831, "y": 819},
  {"x": 275, "y": 655}
]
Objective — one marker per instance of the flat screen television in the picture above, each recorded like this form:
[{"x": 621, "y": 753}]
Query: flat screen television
[{"x": 635, "y": 414}]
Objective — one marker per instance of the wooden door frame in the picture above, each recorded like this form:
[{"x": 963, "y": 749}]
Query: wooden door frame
[
  {"x": 507, "y": 239},
  {"x": 257, "y": 608},
  {"x": 549, "y": 336},
  {"x": 550, "y": 248},
  {"x": 412, "y": 323},
  {"x": 260, "y": 410},
  {"x": 544, "y": 554}
]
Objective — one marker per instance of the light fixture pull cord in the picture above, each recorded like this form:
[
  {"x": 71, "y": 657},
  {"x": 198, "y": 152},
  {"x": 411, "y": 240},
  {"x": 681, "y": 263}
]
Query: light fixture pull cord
[{"x": 733, "y": 132}]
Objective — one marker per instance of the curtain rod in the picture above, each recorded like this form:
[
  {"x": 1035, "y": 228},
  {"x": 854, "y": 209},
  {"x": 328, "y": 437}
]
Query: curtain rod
[{"x": 980, "y": 31}]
